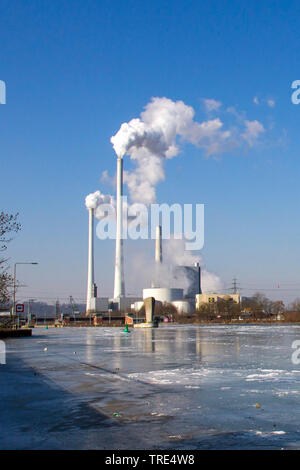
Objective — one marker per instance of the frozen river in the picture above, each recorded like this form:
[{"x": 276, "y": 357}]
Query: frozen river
[{"x": 175, "y": 387}]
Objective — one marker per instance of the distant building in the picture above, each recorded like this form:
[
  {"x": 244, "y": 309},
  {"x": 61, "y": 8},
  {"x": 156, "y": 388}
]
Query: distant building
[
  {"x": 188, "y": 275},
  {"x": 214, "y": 298},
  {"x": 98, "y": 304},
  {"x": 123, "y": 303}
]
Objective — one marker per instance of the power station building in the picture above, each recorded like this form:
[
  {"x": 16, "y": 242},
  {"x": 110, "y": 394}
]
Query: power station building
[
  {"x": 214, "y": 298},
  {"x": 184, "y": 302},
  {"x": 174, "y": 295}
]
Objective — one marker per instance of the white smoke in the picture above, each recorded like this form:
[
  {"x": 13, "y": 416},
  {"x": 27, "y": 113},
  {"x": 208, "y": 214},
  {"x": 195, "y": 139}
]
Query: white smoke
[
  {"x": 152, "y": 138},
  {"x": 105, "y": 206},
  {"x": 97, "y": 201},
  {"x": 166, "y": 274},
  {"x": 174, "y": 254}
]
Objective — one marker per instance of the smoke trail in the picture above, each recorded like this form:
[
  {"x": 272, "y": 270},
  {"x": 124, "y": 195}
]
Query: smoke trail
[{"x": 152, "y": 138}]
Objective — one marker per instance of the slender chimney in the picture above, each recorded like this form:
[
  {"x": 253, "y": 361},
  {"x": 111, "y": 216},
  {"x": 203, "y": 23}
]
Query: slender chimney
[
  {"x": 158, "y": 245},
  {"x": 198, "y": 267},
  {"x": 119, "y": 287},
  {"x": 158, "y": 257},
  {"x": 90, "y": 281}
]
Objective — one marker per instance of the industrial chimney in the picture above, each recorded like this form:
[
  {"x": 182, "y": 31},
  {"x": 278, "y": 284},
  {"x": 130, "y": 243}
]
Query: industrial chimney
[
  {"x": 158, "y": 257},
  {"x": 158, "y": 245},
  {"x": 90, "y": 281},
  {"x": 198, "y": 268},
  {"x": 119, "y": 286}
]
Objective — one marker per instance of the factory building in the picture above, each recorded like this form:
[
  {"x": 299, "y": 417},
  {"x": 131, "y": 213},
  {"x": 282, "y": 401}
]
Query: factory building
[
  {"x": 192, "y": 274},
  {"x": 184, "y": 302},
  {"x": 184, "y": 306},
  {"x": 174, "y": 295},
  {"x": 123, "y": 303},
  {"x": 163, "y": 294},
  {"x": 99, "y": 304},
  {"x": 214, "y": 298}
]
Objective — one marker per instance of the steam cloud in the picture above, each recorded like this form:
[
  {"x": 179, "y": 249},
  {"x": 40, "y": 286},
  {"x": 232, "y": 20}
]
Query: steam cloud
[
  {"x": 174, "y": 255},
  {"x": 103, "y": 203},
  {"x": 97, "y": 200},
  {"x": 94, "y": 200},
  {"x": 152, "y": 138}
]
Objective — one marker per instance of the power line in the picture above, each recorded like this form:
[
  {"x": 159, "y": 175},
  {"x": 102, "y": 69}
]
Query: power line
[{"x": 234, "y": 285}]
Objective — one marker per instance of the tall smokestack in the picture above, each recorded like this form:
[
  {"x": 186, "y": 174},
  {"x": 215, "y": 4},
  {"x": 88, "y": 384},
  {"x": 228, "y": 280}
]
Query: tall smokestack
[
  {"x": 158, "y": 257},
  {"x": 158, "y": 245},
  {"x": 198, "y": 267},
  {"x": 90, "y": 281},
  {"x": 119, "y": 287}
]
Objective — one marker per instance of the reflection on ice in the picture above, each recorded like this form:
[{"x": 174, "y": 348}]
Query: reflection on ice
[{"x": 194, "y": 387}]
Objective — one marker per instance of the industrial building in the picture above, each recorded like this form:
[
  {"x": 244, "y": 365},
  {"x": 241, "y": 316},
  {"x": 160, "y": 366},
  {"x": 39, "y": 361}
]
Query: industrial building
[
  {"x": 214, "y": 298},
  {"x": 185, "y": 303},
  {"x": 174, "y": 295},
  {"x": 163, "y": 294}
]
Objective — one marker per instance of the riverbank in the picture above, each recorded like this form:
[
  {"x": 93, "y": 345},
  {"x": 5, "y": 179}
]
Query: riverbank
[{"x": 15, "y": 333}]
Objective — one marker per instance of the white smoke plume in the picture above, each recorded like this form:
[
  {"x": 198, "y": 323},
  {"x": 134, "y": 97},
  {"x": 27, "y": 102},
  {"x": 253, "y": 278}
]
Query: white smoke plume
[
  {"x": 97, "y": 200},
  {"x": 152, "y": 138},
  {"x": 94, "y": 200},
  {"x": 174, "y": 254},
  {"x": 167, "y": 275},
  {"x": 105, "y": 205}
]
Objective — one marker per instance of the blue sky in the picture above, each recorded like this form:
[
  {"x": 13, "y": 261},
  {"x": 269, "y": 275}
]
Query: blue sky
[{"x": 76, "y": 70}]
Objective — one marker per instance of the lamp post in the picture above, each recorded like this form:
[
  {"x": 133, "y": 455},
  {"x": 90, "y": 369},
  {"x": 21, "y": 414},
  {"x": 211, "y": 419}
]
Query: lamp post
[{"x": 15, "y": 281}]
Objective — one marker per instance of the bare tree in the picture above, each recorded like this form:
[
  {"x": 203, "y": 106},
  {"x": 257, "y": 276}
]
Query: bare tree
[
  {"x": 277, "y": 306},
  {"x": 295, "y": 306},
  {"x": 258, "y": 303},
  {"x": 8, "y": 225}
]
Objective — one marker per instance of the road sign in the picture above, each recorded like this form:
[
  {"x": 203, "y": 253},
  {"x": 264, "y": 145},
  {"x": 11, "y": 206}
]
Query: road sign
[{"x": 19, "y": 308}]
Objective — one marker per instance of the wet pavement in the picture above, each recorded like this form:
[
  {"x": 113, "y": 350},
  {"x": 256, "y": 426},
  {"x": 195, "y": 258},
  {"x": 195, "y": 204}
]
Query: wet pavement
[{"x": 174, "y": 387}]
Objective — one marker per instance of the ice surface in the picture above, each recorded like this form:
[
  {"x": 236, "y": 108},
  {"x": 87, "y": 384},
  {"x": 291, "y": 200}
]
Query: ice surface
[{"x": 175, "y": 387}]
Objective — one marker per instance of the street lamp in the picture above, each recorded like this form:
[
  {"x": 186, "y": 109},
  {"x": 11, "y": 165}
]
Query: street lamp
[{"x": 15, "y": 280}]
